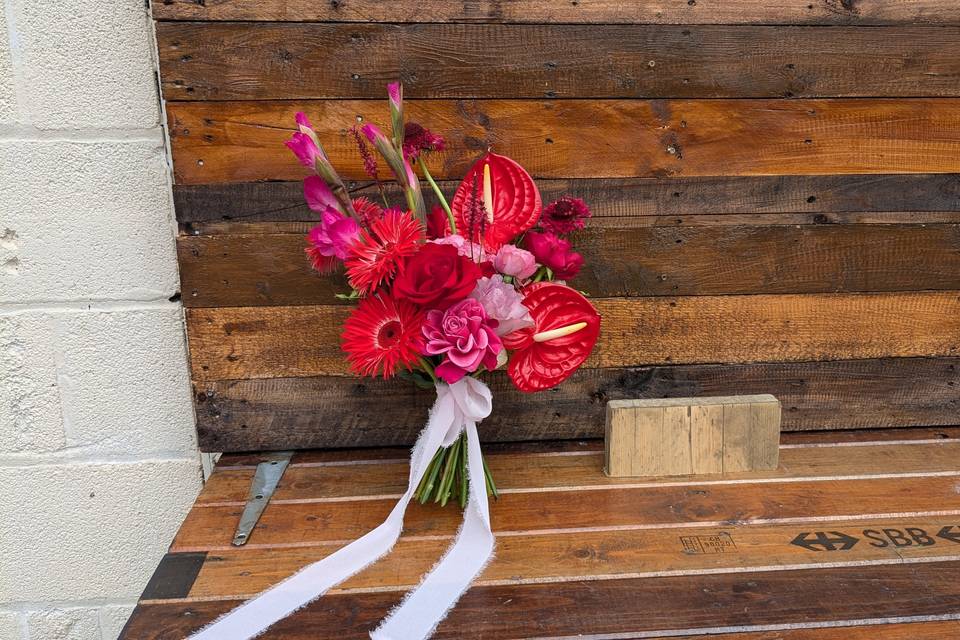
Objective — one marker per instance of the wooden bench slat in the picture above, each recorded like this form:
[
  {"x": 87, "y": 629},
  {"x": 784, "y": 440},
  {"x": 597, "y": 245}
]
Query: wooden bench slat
[
  {"x": 243, "y": 141},
  {"x": 531, "y": 472},
  {"x": 685, "y": 605}
]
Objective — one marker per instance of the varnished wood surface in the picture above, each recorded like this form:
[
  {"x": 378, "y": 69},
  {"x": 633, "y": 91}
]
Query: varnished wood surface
[
  {"x": 823, "y": 199},
  {"x": 243, "y": 141},
  {"x": 693, "y": 557},
  {"x": 269, "y": 342},
  {"x": 234, "y": 270},
  {"x": 235, "y": 61},
  {"x": 864, "y": 12}
]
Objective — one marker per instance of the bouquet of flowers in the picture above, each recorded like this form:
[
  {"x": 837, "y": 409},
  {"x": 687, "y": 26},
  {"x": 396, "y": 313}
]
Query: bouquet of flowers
[{"x": 473, "y": 285}]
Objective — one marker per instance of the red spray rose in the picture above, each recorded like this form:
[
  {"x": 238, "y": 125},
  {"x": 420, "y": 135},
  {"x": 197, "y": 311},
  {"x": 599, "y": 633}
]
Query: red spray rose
[
  {"x": 555, "y": 253},
  {"x": 436, "y": 277}
]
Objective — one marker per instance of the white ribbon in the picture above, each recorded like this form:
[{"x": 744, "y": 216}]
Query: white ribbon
[{"x": 459, "y": 407}]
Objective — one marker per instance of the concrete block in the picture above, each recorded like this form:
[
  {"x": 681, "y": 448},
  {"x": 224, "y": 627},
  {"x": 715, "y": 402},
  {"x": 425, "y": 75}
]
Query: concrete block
[
  {"x": 89, "y": 531},
  {"x": 112, "y": 620},
  {"x": 10, "y": 626},
  {"x": 8, "y": 96},
  {"x": 87, "y": 64},
  {"x": 85, "y": 221},
  {"x": 30, "y": 415},
  {"x": 124, "y": 382},
  {"x": 63, "y": 624}
]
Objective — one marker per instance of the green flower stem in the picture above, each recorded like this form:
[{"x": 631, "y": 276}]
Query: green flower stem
[
  {"x": 446, "y": 481},
  {"x": 429, "y": 478},
  {"x": 491, "y": 486},
  {"x": 428, "y": 368},
  {"x": 440, "y": 197}
]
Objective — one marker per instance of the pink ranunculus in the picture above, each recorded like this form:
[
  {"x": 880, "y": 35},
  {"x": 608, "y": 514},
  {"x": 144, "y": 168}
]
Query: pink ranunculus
[
  {"x": 304, "y": 148},
  {"x": 514, "y": 261},
  {"x": 465, "y": 248},
  {"x": 465, "y": 335},
  {"x": 502, "y": 303},
  {"x": 318, "y": 194},
  {"x": 334, "y": 235},
  {"x": 554, "y": 253}
]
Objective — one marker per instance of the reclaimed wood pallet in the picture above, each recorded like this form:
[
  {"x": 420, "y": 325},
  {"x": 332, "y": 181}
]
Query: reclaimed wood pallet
[{"x": 856, "y": 535}]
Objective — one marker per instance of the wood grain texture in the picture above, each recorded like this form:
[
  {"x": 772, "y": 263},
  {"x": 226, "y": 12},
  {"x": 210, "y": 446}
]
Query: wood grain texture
[
  {"x": 564, "y": 11},
  {"x": 694, "y": 603},
  {"x": 665, "y": 201},
  {"x": 555, "y": 557},
  {"x": 273, "y": 342},
  {"x": 243, "y": 141},
  {"x": 250, "y": 61},
  {"x": 247, "y": 415},
  {"x": 234, "y": 270},
  {"x": 550, "y": 467},
  {"x": 335, "y": 523}
]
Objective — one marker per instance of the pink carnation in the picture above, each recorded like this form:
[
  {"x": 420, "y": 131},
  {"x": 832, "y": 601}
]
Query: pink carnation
[
  {"x": 334, "y": 235},
  {"x": 465, "y": 335},
  {"x": 514, "y": 261},
  {"x": 502, "y": 303}
]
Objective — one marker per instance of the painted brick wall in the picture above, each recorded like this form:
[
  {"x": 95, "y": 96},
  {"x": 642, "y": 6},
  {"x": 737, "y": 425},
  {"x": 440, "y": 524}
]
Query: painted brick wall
[{"x": 98, "y": 459}]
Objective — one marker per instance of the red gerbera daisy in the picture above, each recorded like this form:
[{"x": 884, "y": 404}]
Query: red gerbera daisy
[
  {"x": 377, "y": 255},
  {"x": 381, "y": 334}
]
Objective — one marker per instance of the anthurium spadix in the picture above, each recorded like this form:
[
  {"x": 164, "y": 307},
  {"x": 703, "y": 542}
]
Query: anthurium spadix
[{"x": 496, "y": 202}]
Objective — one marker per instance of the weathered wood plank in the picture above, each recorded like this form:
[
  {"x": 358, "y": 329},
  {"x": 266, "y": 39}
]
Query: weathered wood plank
[
  {"x": 272, "y": 342},
  {"x": 631, "y": 198},
  {"x": 555, "y": 557},
  {"x": 564, "y": 11},
  {"x": 682, "y": 605},
  {"x": 243, "y": 141},
  {"x": 247, "y": 270},
  {"x": 531, "y": 471},
  {"x": 228, "y": 61},
  {"x": 335, "y": 523}
]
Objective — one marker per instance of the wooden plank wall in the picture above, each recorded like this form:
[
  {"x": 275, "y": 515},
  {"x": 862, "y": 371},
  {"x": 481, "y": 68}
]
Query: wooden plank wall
[{"x": 776, "y": 190}]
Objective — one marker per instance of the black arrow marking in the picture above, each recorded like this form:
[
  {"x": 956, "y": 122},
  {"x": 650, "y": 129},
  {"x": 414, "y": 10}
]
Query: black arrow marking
[
  {"x": 826, "y": 540},
  {"x": 948, "y": 533}
]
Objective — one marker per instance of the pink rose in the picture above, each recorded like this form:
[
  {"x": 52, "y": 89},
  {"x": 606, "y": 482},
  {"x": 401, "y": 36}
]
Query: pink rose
[
  {"x": 334, "y": 235},
  {"x": 465, "y": 335},
  {"x": 502, "y": 303},
  {"x": 514, "y": 261},
  {"x": 554, "y": 253}
]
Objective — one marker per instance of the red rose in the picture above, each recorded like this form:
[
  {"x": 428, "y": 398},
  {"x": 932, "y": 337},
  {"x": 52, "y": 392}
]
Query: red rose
[
  {"x": 437, "y": 224},
  {"x": 555, "y": 253},
  {"x": 436, "y": 277}
]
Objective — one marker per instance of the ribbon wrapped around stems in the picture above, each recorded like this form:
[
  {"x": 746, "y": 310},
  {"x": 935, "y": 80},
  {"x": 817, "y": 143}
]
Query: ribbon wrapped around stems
[{"x": 459, "y": 407}]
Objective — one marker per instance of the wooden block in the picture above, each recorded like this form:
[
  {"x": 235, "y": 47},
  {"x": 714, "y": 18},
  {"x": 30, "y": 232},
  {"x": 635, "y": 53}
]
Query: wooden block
[{"x": 683, "y": 436}]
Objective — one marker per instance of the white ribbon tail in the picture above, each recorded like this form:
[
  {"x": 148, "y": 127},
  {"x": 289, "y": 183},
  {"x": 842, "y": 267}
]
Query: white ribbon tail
[{"x": 459, "y": 406}]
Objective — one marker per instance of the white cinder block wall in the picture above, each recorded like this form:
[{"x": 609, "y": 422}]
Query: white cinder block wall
[{"x": 98, "y": 461}]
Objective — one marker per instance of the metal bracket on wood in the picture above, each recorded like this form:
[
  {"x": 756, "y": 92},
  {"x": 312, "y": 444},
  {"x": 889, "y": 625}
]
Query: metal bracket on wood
[{"x": 265, "y": 482}]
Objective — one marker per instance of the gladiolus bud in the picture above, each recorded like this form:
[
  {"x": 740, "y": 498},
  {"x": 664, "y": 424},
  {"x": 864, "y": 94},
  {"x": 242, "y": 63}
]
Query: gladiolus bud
[{"x": 395, "y": 91}]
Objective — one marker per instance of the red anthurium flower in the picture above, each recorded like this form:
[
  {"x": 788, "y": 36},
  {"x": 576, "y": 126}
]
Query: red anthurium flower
[
  {"x": 566, "y": 328},
  {"x": 515, "y": 205}
]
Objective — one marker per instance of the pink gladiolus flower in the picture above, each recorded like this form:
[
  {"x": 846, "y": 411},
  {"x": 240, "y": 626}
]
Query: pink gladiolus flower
[
  {"x": 555, "y": 253},
  {"x": 395, "y": 92},
  {"x": 503, "y": 303},
  {"x": 374, "y": 134},
  {"x": 302, "y": 121},
  {"x": 318, "y": 195},
  {"x": 514, "y": 261},
  {"x": 465, "y": 335},
  {"x": 304, "y": 148},
  {"x": 334, "y": 235}
]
